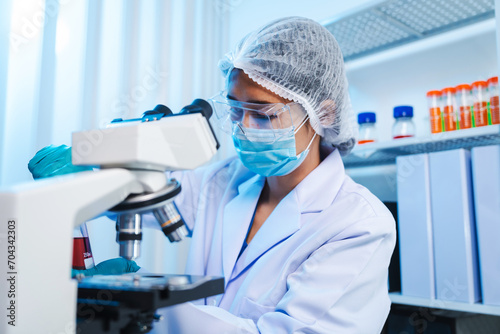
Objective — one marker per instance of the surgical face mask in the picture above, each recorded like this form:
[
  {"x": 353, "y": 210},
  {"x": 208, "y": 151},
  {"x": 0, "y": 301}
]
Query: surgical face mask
[{"x": 269, "y": 158}]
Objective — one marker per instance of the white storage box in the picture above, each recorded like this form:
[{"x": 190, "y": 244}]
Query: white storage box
[
  {"x": 415, "y": 226},
  {"x": 455, "y": 248}
]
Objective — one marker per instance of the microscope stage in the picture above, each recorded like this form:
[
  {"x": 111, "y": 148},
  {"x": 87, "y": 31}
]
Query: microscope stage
[{"x": 127, "y": 303}]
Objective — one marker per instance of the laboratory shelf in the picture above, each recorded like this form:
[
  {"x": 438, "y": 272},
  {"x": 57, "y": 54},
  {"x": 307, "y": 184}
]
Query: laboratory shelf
[
  {"x": 399, "y": 299},
  {"x": 390, "y": 23},
  {"x": 384, "y": 153}
]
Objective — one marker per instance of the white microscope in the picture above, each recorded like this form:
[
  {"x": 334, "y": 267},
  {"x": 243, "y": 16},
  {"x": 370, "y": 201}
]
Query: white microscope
[{"x": 37, "y": 221}]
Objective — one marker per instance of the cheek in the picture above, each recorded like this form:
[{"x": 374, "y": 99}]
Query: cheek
[{"x": 303, "y": 138}]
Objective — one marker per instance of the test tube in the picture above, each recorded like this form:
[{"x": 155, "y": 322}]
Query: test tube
[
  {"x": 480, "y": 99},
  {"x": 435, "y": 117},
  {"x": 449, "y": 109},
  {"x": 464, "y": 101},
  {"x": 493, "y": 92},
  {"x": 82, "y": 254}
]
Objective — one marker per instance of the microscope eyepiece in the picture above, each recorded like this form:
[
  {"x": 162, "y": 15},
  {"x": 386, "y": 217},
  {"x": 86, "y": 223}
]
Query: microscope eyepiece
[{"x": 198, "y": 105}]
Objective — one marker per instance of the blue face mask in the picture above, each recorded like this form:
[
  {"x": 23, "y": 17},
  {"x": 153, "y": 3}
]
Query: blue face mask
[{"x": 269, "y": 159}]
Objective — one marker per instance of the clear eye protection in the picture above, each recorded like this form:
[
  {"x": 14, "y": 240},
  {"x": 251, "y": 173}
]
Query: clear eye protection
[{"x": 244, "y": 118}]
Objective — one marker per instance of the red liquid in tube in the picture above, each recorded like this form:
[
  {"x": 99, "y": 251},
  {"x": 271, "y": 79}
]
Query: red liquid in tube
[
  {"x": 479, "y": 92},
  {"x": 82, "y": 254},
  {"x": 493, "y": 93}
]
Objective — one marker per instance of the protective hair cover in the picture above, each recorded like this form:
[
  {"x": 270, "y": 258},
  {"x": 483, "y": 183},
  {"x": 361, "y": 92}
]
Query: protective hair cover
[{"x": 300, "y": 60}]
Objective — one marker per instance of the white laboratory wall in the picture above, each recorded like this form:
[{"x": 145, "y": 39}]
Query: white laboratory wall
[
  {"x": 75, "y": 65},
  {"x": 19, "y": 127},
  {"x": 70, "y": 58},
  {"x": 4, "y": 61}
]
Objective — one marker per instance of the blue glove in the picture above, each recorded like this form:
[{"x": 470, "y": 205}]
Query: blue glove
[
  {"x": 53, "y": 160},
  {"x": 109, "y": 267}
]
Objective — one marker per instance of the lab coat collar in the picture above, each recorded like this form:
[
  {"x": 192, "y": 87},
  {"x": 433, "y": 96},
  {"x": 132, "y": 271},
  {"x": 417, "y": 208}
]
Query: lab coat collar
[
  {"x": 318, "y": 189},
  {"x": 251, "y": 182}
]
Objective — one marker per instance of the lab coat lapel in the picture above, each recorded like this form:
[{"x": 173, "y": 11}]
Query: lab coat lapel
[
  {"x": 237, "y": 215},
  {"x": 283, "y": 222}
]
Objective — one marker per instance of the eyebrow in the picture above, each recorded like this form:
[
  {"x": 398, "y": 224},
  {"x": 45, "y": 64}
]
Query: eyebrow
[{"x": 251, "y": 101}]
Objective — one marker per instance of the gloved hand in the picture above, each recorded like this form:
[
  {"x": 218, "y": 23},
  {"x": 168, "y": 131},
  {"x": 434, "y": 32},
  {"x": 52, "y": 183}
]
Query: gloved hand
[
  {"x": 109, "y": 267},
  {"x": 53, "y": 160}
]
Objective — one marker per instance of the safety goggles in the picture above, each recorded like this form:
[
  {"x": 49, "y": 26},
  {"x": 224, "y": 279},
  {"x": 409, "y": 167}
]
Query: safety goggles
[{"x": 243, "y": 118}]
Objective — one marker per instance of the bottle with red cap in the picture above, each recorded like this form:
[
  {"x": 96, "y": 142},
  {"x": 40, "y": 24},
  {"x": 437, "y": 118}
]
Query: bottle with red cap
[
  {"x": 464, "y": 102},
  {"x": 449, "y": 109},
  {"x": 435, "y": 117},
  {"x": 493, "y": 93},
  {"x": 480, "y": 106},
  {"x": 403, "y": 126}
]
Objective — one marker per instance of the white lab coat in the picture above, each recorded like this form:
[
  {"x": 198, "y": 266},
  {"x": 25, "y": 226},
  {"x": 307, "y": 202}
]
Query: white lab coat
[{"x": 317, "y": 265}]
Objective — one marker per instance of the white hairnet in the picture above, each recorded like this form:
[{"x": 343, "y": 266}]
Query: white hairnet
[{"x": 300, "y": 60}]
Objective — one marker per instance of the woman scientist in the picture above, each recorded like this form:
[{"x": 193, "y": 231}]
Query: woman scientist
[{"x": 302, "y": 248}]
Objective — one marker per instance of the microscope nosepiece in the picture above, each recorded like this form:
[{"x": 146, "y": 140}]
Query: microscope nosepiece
[{"x": 161, "y": 204}]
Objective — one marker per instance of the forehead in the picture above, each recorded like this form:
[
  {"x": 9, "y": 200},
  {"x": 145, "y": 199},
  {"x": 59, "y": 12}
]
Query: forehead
[{"x": 240, "y": 87}]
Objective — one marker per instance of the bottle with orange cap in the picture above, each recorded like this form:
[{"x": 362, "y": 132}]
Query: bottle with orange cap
[
  {"x": 449, "y": 109},
  {"x": 464, "y": 102},
  {"x": 493, "y": 93},
  {"x": 434, "y": 102},
  {"x": 480, "y": 106}
]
